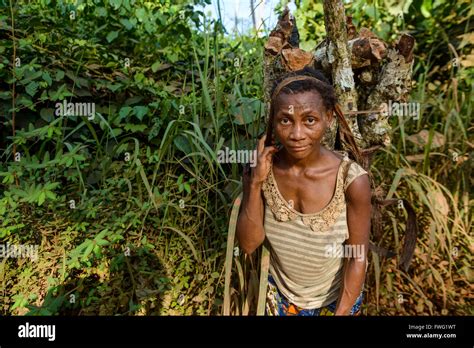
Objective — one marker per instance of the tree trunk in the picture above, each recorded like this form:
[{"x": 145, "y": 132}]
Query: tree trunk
[{"x": 339, "y": 57}]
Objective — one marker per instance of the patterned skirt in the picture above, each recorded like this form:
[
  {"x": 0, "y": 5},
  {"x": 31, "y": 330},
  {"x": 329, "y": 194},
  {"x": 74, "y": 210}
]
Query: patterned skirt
[{"x": 277, "y": 304}]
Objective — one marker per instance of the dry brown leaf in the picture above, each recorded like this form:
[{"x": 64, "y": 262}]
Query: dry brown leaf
[
  {"x": 378, "y": 48},
  {"x": 274, "y": 45},
  {"x": 467, "y": 38},
  {"x": 296, "y": 59},
  {"x": 164, "y": 66},
  {"x": 415, "y": 158},
  {"x": 421, "y": 139},
  {"x": 366, "y": 33},
  {"x": 468, "y": 61},
  {"x": 439, "y": 202}
]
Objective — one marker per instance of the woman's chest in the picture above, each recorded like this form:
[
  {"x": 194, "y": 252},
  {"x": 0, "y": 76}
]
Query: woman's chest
[
  {"x": 298, "y": 232},
  {"x": 308, "y": 193}
]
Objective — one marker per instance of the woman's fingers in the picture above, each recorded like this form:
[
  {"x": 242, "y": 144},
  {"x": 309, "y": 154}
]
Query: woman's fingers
[
  {"x": 264, "y": 160},
  {"x": 266, "y": 156},
  {"x": 261, "y": 144},
  {"x": 269, "y": 150}
]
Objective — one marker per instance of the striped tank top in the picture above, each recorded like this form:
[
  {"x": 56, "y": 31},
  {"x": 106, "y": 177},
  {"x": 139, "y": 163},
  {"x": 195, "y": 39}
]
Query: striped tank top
[{"x": 303, "y": 263}]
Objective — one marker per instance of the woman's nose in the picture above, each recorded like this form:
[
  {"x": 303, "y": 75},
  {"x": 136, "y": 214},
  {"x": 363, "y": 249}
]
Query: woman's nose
[{"x": 297, "y": 133}]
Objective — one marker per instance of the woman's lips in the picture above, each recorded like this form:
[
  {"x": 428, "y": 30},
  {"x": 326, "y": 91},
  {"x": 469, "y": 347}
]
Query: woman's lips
[{"x": 298, "y": 148}]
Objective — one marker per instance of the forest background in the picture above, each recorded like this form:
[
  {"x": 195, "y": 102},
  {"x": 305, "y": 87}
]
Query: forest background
[{"x": 129, "y": 208}]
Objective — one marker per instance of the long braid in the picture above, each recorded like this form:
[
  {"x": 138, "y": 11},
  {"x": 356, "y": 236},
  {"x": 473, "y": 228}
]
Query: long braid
[
  {"x": 269, "y": 131},
  {"x": 346, "y": 136}
]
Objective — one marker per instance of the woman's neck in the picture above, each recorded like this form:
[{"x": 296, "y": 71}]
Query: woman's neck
[{"x": 313, "y": 159}]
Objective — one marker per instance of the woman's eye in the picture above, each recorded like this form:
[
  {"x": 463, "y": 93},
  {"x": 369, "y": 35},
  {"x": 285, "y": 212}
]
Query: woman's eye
[{"x": 311, "y": 120}]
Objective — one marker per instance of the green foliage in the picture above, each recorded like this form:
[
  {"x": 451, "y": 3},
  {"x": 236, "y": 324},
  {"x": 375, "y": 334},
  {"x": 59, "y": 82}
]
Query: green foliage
[{"x": 131, "y": 180}]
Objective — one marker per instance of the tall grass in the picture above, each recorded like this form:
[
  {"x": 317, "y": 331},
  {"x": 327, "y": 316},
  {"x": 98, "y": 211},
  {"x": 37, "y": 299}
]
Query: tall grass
[{"x": 436, "y": 179}]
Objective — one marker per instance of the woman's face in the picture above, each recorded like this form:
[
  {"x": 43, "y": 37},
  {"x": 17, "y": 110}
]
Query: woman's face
[{"x": 300, "y": 122}]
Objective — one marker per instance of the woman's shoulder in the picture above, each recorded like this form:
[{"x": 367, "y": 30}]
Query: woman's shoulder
[{"x": 354, "y": 171}]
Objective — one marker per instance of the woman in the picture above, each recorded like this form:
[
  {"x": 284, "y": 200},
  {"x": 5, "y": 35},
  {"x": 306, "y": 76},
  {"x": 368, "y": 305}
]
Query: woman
[{"x": 308, "y": 203}]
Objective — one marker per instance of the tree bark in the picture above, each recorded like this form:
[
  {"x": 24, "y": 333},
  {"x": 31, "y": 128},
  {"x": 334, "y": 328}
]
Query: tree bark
[{"x": 339, "y": 57}]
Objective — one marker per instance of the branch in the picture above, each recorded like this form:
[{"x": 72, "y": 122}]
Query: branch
[{"x": 339, "y": 56}]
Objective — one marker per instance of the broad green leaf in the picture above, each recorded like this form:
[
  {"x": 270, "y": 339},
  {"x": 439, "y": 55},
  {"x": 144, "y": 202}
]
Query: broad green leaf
[
  {"x": 41, "y": 198},
  {"x": 426, "y": 8},
  {"x": 149, "y": 27},
  {"x": 135, "y": 128},
  {"x": 59, "y": 75},
  {"x": 32, "y": 88},
  {"x": 30, "y": 76},
  {"x": 133, "y": 100},
  {"x": 115, "y": 3},
  {"x": 141, "y": 14},
  {"x": 102, "y": 242},
  {"x": 114, "y": 87},
  {"x": 112, "y": 36},
  {"x": 140, "y": 111},
  {"x": 101, "y": 11},
  {"x": 88, "y": 250},
  {"x": 182, "y": 144},
  {"x": 5, "y": 95},
  {"x": 155, "y": 66},
  {"x": 101, "y": 234},
  {"x": 47, "y": 114},
  {"x": 50, "y": 195},
  {"x": 127, "y": 24},
  {"x": 47, "y": 78},
  {"x": 139, "y": 77},
  {"x": 124, "y": 112}
]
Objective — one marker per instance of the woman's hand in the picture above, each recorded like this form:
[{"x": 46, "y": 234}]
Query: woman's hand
[
  {"x": 264, "y": 161},
  {"x": 250, "y": 232}
]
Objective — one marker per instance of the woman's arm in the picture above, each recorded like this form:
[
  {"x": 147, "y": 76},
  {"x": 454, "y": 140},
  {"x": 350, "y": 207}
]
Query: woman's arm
[
  {"x": 358, "y": 219},
  {"x": 250, "y": 232}
]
